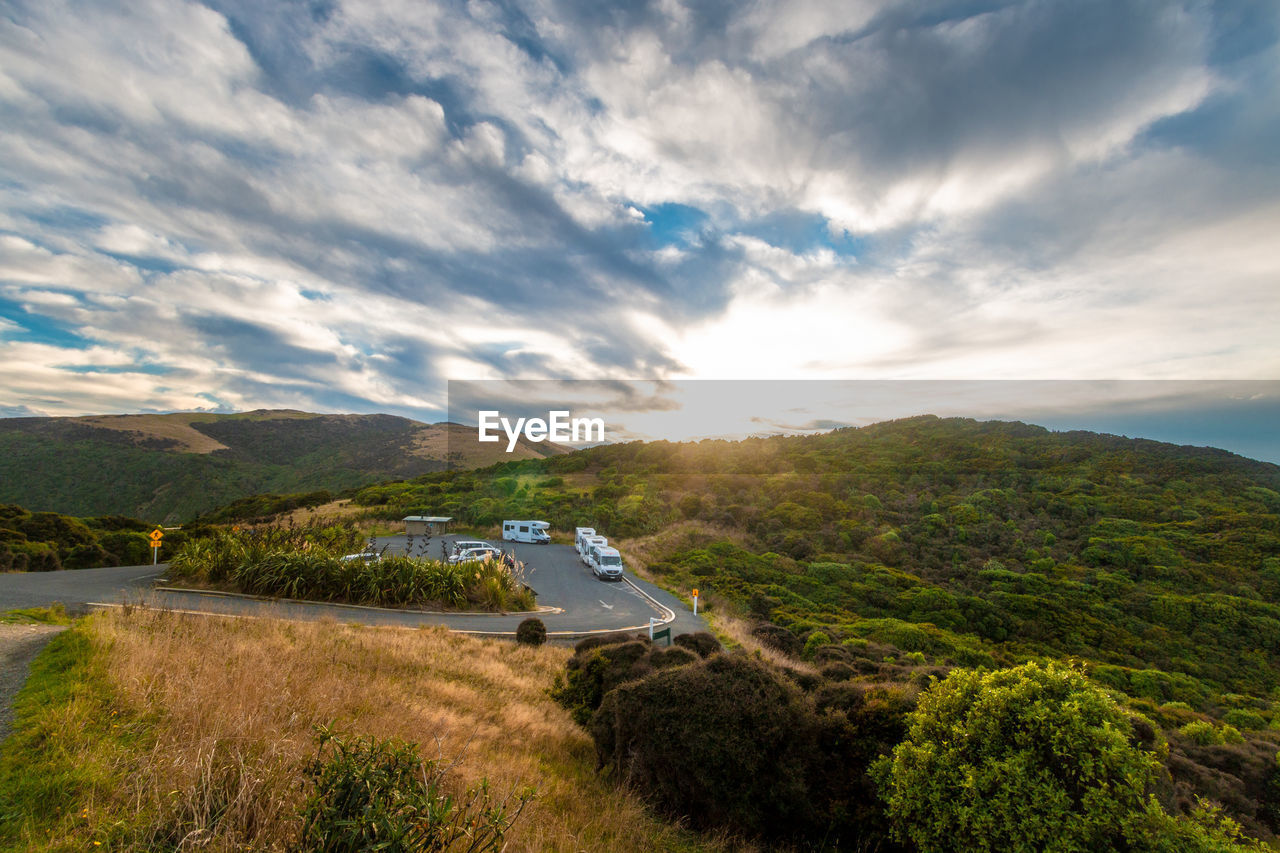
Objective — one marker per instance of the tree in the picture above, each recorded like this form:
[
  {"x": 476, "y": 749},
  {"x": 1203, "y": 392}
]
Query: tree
[{"x": 1034, "y": 758}]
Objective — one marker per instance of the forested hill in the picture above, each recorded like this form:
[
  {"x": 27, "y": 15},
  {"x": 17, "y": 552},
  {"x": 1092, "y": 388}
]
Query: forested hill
[
  {"x": 173, "y": 467},
  {"x": 907, "y": 547},
  {"x": 968, "y": 541}
]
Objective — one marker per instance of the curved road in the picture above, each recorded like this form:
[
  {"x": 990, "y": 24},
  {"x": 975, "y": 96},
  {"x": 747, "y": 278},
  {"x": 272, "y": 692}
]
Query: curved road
[{"x": 580, "y": 604}]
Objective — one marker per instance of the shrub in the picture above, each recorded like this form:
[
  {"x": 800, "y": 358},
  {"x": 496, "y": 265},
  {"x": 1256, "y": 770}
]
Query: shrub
[
  {"x": 594, "y": 670},
  {"x": 777, "y": 637},
  {"x": 702, "y": 643},
  {"x": 731, "y": 742},
  {"x": 725, "y": 742},
  {"x": 1243, "y": 719},
  {"x": 379, "y": 795},
  {"x": 1031, "y": 758},
  {"x": 531, "y": 632},
  {"x": 816, "y": 640},
  {"x": 1205, "y": 733}
]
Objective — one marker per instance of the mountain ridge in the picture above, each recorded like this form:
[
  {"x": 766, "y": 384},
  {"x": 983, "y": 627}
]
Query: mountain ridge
[{"x": 174, "y": 466}]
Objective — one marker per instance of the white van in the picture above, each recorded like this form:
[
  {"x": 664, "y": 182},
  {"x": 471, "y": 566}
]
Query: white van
[
  {"x": 526, "y": 531},
  {"x": 589, "y": 542},
  {"x": 580, "y": 533},
  {"x": 605, "y": 562}
]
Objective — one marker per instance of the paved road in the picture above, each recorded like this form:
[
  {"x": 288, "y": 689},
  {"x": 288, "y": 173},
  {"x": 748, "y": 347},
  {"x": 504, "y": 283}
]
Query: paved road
[
  {"x": 581, "y": 603},
  {"x": 75, "y": 587}
]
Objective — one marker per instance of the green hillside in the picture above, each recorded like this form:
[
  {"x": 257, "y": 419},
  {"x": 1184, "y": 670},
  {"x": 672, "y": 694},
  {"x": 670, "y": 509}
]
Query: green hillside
[
  {"x": 174, "y": 467},
  {"x": 946, "y": 543}
]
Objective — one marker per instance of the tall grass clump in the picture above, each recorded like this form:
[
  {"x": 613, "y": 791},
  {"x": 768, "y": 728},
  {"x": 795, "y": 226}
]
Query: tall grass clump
[
  {"x": 369, "y": 794},
  {"x": 305, "y": 562}
]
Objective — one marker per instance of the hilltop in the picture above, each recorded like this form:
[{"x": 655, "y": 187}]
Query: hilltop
[{"x": 172, "y": 467}]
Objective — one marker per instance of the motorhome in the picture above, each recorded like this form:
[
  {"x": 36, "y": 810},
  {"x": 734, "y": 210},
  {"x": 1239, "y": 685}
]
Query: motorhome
[
  {"x": 589, "y": 542},
  {"x": 580, "y": 533},
  {"x": 526, "y": 531},
  {"x": 605, "y": 562}
]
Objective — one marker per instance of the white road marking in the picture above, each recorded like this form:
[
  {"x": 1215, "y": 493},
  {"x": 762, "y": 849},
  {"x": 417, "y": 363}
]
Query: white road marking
[{"x": 606, "y": 606}]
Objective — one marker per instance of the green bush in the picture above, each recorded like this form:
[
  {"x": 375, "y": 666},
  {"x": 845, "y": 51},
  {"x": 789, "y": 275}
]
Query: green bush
[
  {"x": 816, "y": 640},
  {"x": 725, "y": 742},
  {"x": 379, "y": 795},
  {"x": 531, "y": 632},
  {"x": 1243, "y": 719},
  {"x": 305, "y": 563},
  {"x": 1027, "y": 759},
  {"x": 1205, "y": 733},
  {"x": 730, "y": 742},
  {"x": 594, "y": 670}
]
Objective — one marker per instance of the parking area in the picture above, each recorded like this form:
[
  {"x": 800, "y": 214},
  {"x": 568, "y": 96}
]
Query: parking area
[{"x": 579, "y": 604}]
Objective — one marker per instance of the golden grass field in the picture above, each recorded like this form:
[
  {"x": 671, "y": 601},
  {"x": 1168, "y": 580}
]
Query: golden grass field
[{"x": 223, "y": 711}]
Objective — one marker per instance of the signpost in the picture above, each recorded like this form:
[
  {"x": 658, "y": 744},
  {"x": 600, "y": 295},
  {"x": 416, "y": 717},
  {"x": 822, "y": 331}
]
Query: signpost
[
  {"x": 156, "y": 536},
  {"x": 664, "y": 634},
  {"x": 695, "y": 602}
]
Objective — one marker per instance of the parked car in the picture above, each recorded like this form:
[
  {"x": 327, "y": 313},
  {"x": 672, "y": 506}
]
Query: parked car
[
  {"x": 488, "y": 552},
  {"x": 580, "y": 533},
  {"x": 606, "y": 563},
  {"x": 363, "y": 556},
  {"x": 466, "y": 545}
]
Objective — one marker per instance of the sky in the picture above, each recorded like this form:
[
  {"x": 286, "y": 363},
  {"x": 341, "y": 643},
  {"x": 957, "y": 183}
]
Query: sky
[{"x": 340, "y": 206}]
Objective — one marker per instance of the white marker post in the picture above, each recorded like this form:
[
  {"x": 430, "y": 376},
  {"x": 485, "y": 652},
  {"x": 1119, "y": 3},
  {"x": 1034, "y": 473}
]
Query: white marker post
[
  {"x": 651, "y": 621},
  {"x": 156, "y": 536},
  {"x": 695, "y": 602}
]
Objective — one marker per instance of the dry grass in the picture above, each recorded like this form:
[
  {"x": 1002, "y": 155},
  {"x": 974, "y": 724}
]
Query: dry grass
[
  {"x": 232, "y": 703},
  {"x": 176, "y": 427},
  {"x": 643, "y": 550}
]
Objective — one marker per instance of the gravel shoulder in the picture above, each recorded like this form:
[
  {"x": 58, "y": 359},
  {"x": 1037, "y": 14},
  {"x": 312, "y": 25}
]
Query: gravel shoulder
[{"x": 19, "y": 645}]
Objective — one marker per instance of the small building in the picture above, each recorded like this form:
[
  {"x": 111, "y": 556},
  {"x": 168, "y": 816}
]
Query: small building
[{"x": 426, "y": 525}]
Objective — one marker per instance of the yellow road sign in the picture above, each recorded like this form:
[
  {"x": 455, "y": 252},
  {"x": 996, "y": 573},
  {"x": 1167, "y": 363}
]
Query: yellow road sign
[
  {"x": 695, "y": 593},
  {"x": 156, "y": 535}
]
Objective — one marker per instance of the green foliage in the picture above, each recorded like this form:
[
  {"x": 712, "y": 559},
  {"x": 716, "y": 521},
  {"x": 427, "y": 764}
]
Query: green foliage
[
  {"x": 65, "y": 465},
  {"x": 1205, "y": 733},
  {"x": 1027, "y": 759},
  {"x": 531, "y": 632},
  {"x": 816, "y": 640},
  {"x": 368, "y": 794},
  {"x": 305, "y": 562},
  {"x": 47, "y": 541},
  {"x": 597, "y": 667},
  {"x": 730, "y": 742}
]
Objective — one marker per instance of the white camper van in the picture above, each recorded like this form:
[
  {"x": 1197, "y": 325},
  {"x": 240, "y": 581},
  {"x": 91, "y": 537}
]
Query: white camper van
[
  {"x": 526, "y": 531},
  {"x": 605, "y": 562},
  {"x": 589, "y": 542},
  {"x": 580, "y": 533}
]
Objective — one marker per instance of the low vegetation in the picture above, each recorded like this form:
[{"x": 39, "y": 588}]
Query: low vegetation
[
  {"x": 954, "y": 543},
  {"x": 1033, "y": 758},
  {"x": 46, "y": 541},
  {"x": 182, "y": 732},
  {"x": 307, "y": 562}
]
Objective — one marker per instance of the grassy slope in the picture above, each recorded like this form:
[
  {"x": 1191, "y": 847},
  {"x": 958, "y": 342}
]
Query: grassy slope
[
  {"x": 173, "y": 467},
  {"x": 142, "y": 727}
]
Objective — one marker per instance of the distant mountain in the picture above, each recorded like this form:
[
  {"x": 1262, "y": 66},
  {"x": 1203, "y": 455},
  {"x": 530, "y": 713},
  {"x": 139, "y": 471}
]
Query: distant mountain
[{"x": 175, "y": 466}]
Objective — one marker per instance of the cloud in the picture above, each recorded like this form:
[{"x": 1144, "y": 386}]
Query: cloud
[{"x": 346, "y": 204}]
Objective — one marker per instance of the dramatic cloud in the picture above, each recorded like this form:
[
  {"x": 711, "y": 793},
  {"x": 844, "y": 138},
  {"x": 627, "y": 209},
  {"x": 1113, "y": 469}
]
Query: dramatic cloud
[{"x": 341, "y": 205}]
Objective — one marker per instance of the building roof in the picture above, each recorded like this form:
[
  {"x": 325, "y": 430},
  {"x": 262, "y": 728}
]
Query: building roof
[{"x": 435, "y": 519}]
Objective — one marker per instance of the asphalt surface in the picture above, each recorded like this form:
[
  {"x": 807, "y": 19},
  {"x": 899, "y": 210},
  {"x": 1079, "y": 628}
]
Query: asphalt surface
[
  {"x": 574, "y": 601},
  {"x": 75, "y": 588}
]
